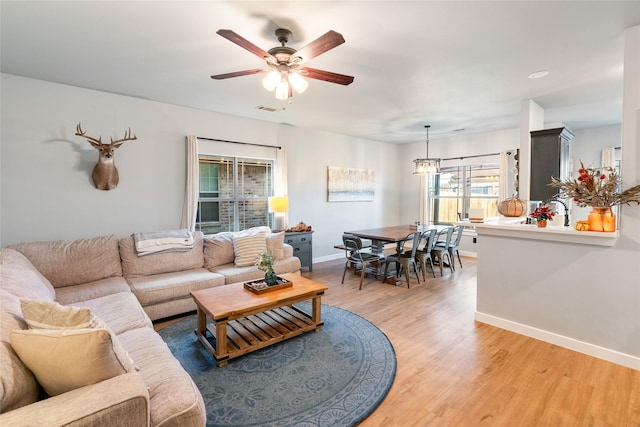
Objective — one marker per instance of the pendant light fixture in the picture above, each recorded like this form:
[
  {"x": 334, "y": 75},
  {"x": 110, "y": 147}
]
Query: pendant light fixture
[{"x": 427, "y": 166}]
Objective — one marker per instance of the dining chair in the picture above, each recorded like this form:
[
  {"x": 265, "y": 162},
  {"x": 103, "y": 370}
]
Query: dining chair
[
  {"x": 356, "y": 257},
  {"x": 441, "y": 248},
  {"x": 423, "y": 254},
  {"x": 405, "y": 260},
  {"x": 453, "y": 247}
]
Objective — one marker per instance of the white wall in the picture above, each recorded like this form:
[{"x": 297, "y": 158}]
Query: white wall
[
  {"x": 309, "y": 153},
  {"x": 46, "y": 188},
  {"x": 581, "y": 296}
]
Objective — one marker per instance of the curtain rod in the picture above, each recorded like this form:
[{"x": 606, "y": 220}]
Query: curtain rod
[
  {"x": 477, "y": 155},
  {"x": 238, "y": 142}
]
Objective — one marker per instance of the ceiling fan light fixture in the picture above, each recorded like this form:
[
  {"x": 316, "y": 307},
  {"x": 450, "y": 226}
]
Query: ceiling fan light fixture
[
  {"x": 284, "y": 60},
  {"x": 282, "y": 89},
  {"x": 298, "y": 82},
  {"x": 271, "y": 80}
]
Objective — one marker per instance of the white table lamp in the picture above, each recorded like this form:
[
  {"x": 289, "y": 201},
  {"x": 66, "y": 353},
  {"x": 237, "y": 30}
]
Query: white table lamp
[{"x": 279, "y": 205}]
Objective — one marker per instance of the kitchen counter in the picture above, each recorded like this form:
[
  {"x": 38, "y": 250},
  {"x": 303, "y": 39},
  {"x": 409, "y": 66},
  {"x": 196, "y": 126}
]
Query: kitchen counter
[{"x": 517, "y": 229}]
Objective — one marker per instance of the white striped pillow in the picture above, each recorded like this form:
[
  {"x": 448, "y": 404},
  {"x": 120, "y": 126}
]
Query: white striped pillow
[{"x": 248, "y": 247}]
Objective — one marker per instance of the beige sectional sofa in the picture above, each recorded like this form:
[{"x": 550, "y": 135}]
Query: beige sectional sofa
[
  {"x": 126, "y": 292},
  {"x": 157, "y": 392}
]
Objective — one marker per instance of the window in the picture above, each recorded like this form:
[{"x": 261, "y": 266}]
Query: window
[
  {"x": 459, "y": 188},
  {"x": 233, "y": 193}
]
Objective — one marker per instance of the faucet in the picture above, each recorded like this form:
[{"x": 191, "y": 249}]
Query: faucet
[{"x": 556, "y": 198}]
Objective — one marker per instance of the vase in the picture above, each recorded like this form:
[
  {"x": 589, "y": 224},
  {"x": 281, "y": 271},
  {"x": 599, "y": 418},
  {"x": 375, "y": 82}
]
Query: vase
[
  {"x": 602, "y": 219},
  {"x": 271, "y": 279},
  {"x": 541, "y": 223}
]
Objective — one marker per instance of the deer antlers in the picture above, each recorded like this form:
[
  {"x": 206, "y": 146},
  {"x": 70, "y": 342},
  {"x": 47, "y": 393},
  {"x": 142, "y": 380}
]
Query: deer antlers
[
  {"x": 105, "y": 175},
  {"x": 98, "y": 142}
]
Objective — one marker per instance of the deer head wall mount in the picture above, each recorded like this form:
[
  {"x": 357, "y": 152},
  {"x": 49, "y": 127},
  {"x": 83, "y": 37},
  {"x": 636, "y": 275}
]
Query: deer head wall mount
[{"x": 105, "y": 175}]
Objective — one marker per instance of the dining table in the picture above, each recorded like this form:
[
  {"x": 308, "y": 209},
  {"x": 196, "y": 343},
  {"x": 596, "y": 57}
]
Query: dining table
[{"x": 392, "y": 234}]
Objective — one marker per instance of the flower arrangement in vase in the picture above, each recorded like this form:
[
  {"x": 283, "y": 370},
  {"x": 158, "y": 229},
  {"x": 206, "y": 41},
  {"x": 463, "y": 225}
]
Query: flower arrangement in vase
[
  {"x": 265, "y": 263},
  {"x": 597, "y": 189},
  {"x": 542, "y": 214}
]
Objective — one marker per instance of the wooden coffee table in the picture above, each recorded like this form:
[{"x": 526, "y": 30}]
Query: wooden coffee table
[{"x": 245, "y": 322}]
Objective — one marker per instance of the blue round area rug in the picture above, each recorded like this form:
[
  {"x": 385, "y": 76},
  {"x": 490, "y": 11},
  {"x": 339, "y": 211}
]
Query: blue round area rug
[{"x": 334, "y": 377}]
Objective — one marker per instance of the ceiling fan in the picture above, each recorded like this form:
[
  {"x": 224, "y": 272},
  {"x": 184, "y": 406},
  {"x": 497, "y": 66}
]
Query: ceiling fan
[{"x": 285, "y": 70}]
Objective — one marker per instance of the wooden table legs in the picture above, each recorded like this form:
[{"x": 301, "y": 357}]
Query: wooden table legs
[{"x": 238, "y": 336}]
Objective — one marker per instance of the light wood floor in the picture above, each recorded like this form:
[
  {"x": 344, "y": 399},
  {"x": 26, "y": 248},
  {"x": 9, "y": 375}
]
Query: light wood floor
[{"x": 453, "y": 371}]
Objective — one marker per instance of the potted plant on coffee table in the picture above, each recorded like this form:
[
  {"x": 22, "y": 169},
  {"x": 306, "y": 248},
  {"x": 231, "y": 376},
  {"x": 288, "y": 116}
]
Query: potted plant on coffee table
[{"x": 265, "y": 263}]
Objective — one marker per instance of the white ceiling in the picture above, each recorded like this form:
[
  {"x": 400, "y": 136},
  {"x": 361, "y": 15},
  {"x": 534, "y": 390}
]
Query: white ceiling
[{"x": 450, "y": 64}]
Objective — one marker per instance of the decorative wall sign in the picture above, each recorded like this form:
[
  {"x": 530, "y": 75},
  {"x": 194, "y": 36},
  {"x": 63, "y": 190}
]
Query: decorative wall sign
[{"x": 350, "y": 185}]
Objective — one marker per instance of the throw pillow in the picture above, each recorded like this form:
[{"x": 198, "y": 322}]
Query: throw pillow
[
  {"x": 274, "y": 243},
  {"x": 55, "y": 316},
  {"x": 52, "y": 315},
  {"x": 63, "y": 360},
  {"x": 218, "y": 249},
  {"x": 248, "y": 247}
]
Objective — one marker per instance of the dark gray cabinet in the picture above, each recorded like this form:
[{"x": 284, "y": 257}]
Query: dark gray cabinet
[
  {"x": 549, "y": 157},
  {"x": 302, "y": 243}
]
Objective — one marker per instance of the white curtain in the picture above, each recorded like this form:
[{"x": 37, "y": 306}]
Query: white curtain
[
  {"x": 280, "y": 184},
  {"x": 190, "y": 207},
  {"x": 608, "y": 157},
  {"x": 504, "y": 175},
  {"x": 423, "y": 213},
  {"x": 280, "y": 181}
]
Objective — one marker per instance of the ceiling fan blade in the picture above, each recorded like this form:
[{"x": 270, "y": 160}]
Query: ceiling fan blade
[
  {"x": 238, "y": 73},
  {"x": 234, "y": 37},
  {"x": 320, "y": 45},
  {"x": 327, "y": 76}
]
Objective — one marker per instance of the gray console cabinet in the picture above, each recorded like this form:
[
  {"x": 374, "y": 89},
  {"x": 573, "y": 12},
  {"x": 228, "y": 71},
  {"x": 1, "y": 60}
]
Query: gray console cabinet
[{"x": 302, "y": 243}]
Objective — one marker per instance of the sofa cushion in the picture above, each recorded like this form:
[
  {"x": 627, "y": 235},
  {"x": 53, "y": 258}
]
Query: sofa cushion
[
  {"x": 18, "y": 386},
  {"x": 74, "y": 357},
  {"x": 171, "y": 286},
  {"x": 218, "y": 249},
  {"x": 165, "y": 262},
  {"x": 235, "y": 274},
  {"x": 72, "y": 262},
  {"x": 19, "y": 277},
  {"x": 121, "y": 312},
  {"x": 92, "y": 290},
  {"x": 248, "y": 247},
  {"x": 275, "y": 243},
  {"x": 287, "y": 265},
  {"x": 174, "y": 398}
]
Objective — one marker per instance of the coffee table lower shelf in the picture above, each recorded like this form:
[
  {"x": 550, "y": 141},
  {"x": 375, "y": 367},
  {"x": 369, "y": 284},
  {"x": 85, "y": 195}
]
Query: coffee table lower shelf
[{"x": 250, "y": 333}]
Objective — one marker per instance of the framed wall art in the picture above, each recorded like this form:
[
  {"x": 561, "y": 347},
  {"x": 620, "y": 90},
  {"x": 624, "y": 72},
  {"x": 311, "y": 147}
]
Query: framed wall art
[{"x": 350, "y": 185}]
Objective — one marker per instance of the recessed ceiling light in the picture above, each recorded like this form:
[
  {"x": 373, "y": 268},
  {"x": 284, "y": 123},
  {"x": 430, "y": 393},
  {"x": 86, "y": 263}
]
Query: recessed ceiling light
[{"x": 539, "y": 74}]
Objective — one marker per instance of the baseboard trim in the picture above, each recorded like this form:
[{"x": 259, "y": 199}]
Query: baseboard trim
[
  {"x": 469, "y": 254},
  {"x": 609, "y": 355},
  {"x": 329, "y": 257}
]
